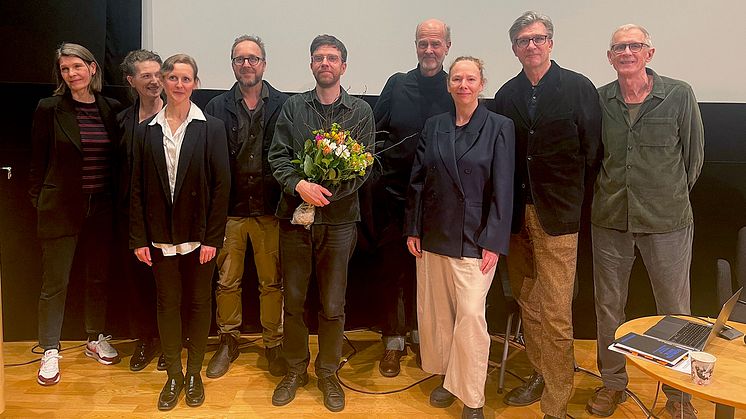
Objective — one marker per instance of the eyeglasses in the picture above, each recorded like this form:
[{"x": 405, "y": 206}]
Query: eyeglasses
[
  {"x": 538, "y": 40},
  {"x": 252, "y": 59},
  {"x": 331, "y": 59},
  {"x": 634, "y": 47}
]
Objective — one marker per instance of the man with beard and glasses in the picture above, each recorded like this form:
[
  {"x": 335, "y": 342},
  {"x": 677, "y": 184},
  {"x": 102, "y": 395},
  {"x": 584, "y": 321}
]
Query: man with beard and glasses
[
  {"x": 322, "y": 249},
  {"x": 250, "y": 110}
]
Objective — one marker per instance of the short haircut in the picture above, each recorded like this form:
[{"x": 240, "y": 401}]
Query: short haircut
[
  {"x": 479, "y": 63},
  {"x": 528, "y": 19},
  {"x": 628, "y": 27},
  {"x": 329, "y": 40},
  {"x": 138, "y": 56},
  {"x": 68, "y": 49},
  {"x": 168, "y": 65},
  {"x": 253, "y": 38},
  {"x": 446, "y": 29}
]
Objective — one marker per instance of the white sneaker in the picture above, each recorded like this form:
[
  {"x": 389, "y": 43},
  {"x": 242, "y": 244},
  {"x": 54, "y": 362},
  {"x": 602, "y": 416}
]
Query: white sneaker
[
  {"x": 49, "y": 370},
  {"x": 101, "y": 350}
]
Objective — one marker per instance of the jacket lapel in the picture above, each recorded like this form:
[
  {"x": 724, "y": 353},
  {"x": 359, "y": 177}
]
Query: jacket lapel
[
  {"x": 473, "y": 128},
  {"x": 446, "y": 149},
  {"x": 65, "y": 115},
  {"x": 155, "y": 139},
  {"x": 520, "y": 106},
  {"x": 193, "y": 136}
]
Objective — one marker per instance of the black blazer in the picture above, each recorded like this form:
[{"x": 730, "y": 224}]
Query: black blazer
[
  {"x": 559, "y": 152},
  {"x": 55, "y": 173},
  {"x": 200, "y": 206},
  {"x": 458, "y": 207}
]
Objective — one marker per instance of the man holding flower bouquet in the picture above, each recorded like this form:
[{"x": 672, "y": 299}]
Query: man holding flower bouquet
[{"x": 320, "y": 155}]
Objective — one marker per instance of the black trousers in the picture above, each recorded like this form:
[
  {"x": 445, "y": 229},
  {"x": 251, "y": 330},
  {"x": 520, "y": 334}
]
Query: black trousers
[
  {"x": 325, "y": 251},
  {"x": 140, "y": 288},
  {"x": 397, "y": 274},
  {"x": 90, "y": 246},
  {"x": 182, "y": 280}
]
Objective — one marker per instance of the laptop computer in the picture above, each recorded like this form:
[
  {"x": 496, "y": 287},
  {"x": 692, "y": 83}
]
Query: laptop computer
[{"x": 692, "y": 335}]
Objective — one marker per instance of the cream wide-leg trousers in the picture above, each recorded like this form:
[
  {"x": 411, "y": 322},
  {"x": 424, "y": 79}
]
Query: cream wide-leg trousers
[{"x": 451, "y": 296}]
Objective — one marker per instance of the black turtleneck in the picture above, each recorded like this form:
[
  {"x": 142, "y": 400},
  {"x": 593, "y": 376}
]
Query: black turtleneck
[{"x": 406, "y": 102}]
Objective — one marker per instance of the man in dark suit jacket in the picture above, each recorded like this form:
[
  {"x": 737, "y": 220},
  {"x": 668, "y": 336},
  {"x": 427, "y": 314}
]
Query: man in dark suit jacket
[
  {"x": 558, "y": 147},
  {"x": 249, "y": 110}
]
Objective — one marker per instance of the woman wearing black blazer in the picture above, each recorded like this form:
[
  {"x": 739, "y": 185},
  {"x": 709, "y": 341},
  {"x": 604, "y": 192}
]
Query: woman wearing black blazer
[
  {"x": 458, "y": 214},
  {"x": 178, "y": 208},
  {"x": 74, "y": 135},
  {"x": 141, "y": 69}
]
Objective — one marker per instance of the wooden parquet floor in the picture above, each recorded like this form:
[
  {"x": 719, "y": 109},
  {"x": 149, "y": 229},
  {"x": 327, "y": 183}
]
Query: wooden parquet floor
[{"x": 91, "y": 390}]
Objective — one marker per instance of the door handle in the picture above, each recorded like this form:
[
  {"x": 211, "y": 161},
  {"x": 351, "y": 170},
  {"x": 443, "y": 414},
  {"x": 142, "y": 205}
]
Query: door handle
[{"x": 9, "y": 170}]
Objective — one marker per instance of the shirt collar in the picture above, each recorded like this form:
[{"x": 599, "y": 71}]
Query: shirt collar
[
  {"x": 238, "y": 96},
  {"x": 344, "y": 99},
  {"x": 658, "y": 89},
  {"x": 194, "y": 113}
]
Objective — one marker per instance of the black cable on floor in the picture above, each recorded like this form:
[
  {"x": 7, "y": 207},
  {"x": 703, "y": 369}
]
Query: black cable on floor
[{"x": 357, "y": 390}]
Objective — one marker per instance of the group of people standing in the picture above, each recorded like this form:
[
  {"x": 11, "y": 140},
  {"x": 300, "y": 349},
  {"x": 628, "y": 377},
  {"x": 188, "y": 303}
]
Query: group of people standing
[{"x": 458, "y": 186}]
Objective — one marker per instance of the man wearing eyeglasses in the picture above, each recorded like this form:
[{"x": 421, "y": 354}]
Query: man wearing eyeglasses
[
  {"x": 406, "y": 102},
  {"x": 250, "y": 110},
  {"x": 558, "y": 148},
  {"x": 654, "y": 142},
  {"x": 323, "y": 249}
]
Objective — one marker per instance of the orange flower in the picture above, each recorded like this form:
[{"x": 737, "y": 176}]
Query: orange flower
[{"x": 327, "y": 150}]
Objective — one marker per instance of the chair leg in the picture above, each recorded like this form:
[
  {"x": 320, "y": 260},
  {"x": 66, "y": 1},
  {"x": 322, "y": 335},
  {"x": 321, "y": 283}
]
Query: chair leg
[{"x": 506, "y": 345}]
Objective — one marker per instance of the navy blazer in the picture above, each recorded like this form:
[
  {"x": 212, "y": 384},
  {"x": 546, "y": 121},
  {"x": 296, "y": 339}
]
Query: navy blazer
[
  {"x": 459, "y": 207},
  {"x": 200, "y": 205},
  {"x": 55, "y": 173}
]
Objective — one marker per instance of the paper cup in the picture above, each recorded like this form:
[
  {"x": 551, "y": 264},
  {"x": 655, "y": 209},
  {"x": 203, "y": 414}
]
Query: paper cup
[{"x": 703, "y": 365}]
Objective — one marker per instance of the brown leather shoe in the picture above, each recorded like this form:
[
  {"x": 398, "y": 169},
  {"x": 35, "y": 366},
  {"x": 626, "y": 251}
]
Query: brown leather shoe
[
  {"x": 679, "y": 410},
  {"x": 389, "y": 366},
  {"x": 604, "y": 401}
]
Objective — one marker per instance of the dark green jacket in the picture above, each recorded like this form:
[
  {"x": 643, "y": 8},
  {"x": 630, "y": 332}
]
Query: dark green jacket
[
  {"x": 301, "y": 115},
  {"x": 651, "y": 163}
]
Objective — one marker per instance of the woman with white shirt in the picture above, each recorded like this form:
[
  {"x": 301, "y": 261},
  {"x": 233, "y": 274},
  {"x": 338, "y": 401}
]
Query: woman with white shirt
[{"x": 178, "y": 208}]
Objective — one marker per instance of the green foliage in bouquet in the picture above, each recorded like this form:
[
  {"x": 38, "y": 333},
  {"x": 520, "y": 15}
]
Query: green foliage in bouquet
[{"x": 332, "y": 157}]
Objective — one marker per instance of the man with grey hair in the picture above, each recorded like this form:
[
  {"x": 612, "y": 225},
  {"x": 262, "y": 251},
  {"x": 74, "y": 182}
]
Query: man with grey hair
[
  {"x": 249, "y": 110},
  {"x": 558, "y": 147},
  {"x": 654, "y": 142},
  {"x": 406, "y": 102}
]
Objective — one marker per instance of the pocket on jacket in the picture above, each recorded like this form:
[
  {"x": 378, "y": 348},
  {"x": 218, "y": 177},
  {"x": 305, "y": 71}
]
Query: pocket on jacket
[{"x": 658, "y": 132}]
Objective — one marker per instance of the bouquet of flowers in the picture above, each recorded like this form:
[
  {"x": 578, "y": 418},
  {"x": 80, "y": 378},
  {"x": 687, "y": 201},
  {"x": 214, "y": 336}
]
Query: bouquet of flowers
[{"x": 329, "y": 158}]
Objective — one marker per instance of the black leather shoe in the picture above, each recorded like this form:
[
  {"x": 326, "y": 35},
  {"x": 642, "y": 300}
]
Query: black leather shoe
[
  {"x": 528, "y": 393},
  {"x": 440, "y": 397},
  {"x": 194, "y": 392},
  {"x": 285, "y": 391},
  {"x": 170, "y": 393},
  {"x": 145, "y": 350},
  {"x": 390, "y": 363},
  {"x": 334, "y": 396},
  {"x": 161, "y": 366},
  {"x": 472, "y": 413},
  {"x": 227, "y": 352},
  {"x": 277, "y": 365}
]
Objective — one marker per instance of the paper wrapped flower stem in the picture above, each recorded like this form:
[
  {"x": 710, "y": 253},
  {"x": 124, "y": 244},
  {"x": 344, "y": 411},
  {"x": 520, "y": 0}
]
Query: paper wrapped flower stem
[{"x": 304, "y": 215}]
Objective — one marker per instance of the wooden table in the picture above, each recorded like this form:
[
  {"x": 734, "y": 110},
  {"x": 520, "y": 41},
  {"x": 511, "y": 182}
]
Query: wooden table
[{"x": 728, "y": 388}]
